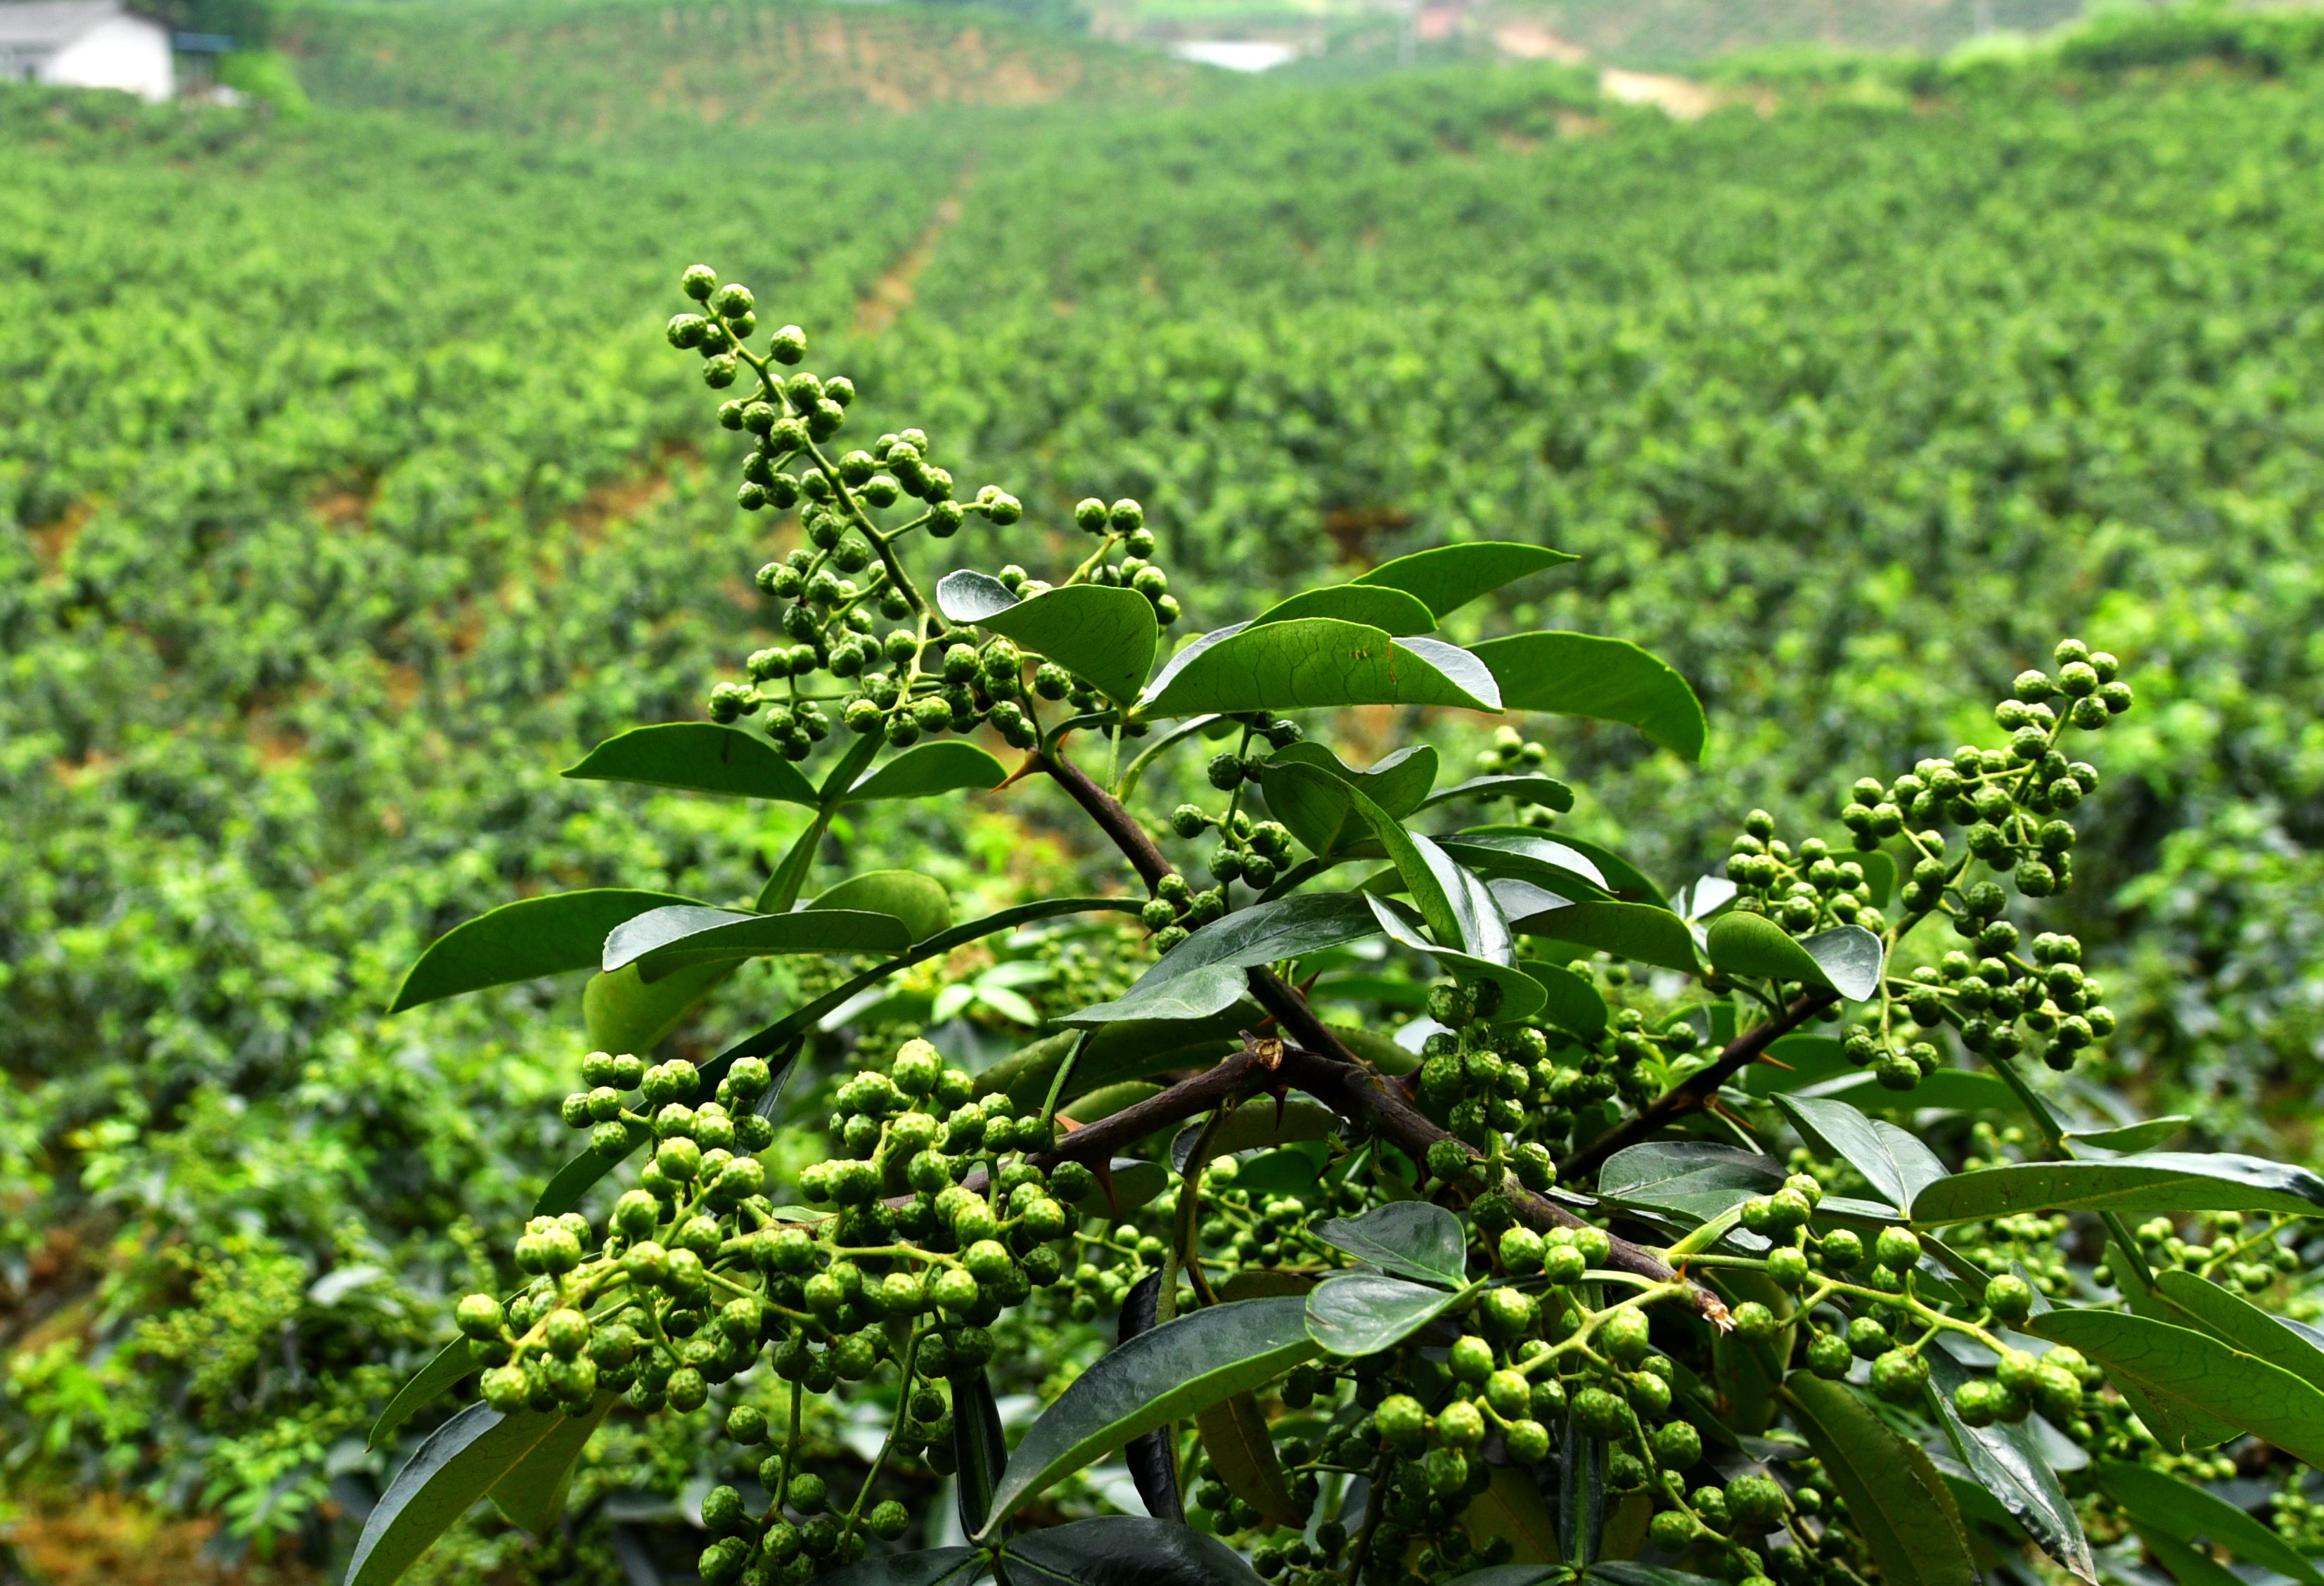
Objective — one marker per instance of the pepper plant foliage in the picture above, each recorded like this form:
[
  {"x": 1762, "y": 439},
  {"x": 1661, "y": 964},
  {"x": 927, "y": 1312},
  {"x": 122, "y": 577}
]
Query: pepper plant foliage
[{"x": 1581, "y": 1272}]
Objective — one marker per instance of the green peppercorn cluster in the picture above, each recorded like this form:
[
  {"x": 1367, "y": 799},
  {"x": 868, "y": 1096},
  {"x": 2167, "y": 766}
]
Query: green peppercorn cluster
[
  {"x": 1511, "y": 755},
  {"x": 1255, "y": 852},
  {"x": 917, "y": 676},
  {"x": 936, "y": 1224}
]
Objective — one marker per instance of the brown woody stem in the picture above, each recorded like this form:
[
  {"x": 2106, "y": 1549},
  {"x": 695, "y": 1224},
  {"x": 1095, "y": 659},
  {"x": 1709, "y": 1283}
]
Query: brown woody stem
[{"x": 1696, "y": 1091}]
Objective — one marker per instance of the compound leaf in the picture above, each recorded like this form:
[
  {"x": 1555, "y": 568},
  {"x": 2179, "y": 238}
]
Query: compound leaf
[
  {"x": 1105, "y": 633},
  {"x": 2006, "y": 1459},
  {"x": 2185, "y": 1512},
  {"x": 533, "y": 1494},
  {"x": 1202, "y": 975},
  {"x": 1392, "y": 610},
  {"x": 454, "y": 1360},
  {"x": 671, "y": 938},
  {"x": 1846, "y": 959},
  {"x": 1637, "y": 931},
  {"x": 1894, "y": 1160},
  {"x": 701, "y": 756},
  {"x": 623, "y": 1013},
  {"x": 461, "y": 1462},
  {"x": 2243, "y": 1324}
]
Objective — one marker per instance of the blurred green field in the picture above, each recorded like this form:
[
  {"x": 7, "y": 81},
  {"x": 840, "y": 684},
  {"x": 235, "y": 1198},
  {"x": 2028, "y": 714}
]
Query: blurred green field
[{"x": 348, "y": 490}]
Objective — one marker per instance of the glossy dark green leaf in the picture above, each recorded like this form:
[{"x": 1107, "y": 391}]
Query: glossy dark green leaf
[
  {"x": 1362, "y": 1314},
  {"x": 2187, "y": 1513},
  {"x": 1446, "y": 577},
  {"x": 1124, "y": 1550},
  {"x": 701, "y": 756},
  {"x": 1626, "y": 881},
  {"x": 1522, "y": 996},
  {"x": 1570, "y": 1001},
  {"x": 1636, "y": 931},
  {"x": 1581, "y": 1477},
  {"x": 2188, "y": 1566},
  {"x": 533, "y": 1494},
  {"x": 2178, "y": 1366},
  {"x": 978, "y": 1446},
  {"x": 1374, "y": 606},
  {"x": 524, "y": 941},
  {"x": 1892, "y": 1161},
  {"x": 1317, "y": 807},
  {"x": 1846, "y": 959},
  {"x": 1153, "y": 1458},
  {"x": 1413, "y": 1239},
  {"x": 947, "y": 765},
  {"x": 1320, "y": 663},
  {"x": 1106, "y": 634},
  {"x": 1528, "y": 788},
  {"x": 1543, "y": 861},
  {"x": 1894, "y": 1496},
  {"x": 1532, "y": 1574},
  {"x": 2242, "y": 1323},
  {"x": 623, "y": 1013},
  {"x": 672, "y": 938},
  {"x": 1949, "y": 1090},
  {"x": 2132, "y": 1137},
  {"x": 935, "y": 1566},
  {"x": 1158, "y": 1376},
  {"x": 1241, "y": 1451},
  {"x": 1607, "y": 679},
  {"x": 1511, "y": 1508},
  {"x": 2009, "y": 1463},
  {"x": 914, "y": 897},
  {"x": 454, "y": 1360},
  {"x": 1695, "y": 1179},
  {"x": 1203, "y": 975},
  {"x": 1627, "y": 1571},
  {"x": 461, "y": 1462},
  {"x": 2150, "y": 1181}
]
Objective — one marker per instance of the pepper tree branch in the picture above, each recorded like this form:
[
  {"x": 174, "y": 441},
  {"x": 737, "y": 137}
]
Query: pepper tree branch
[
  {"x": 1695, "y": 1092},
  {"x": 1320, "y": 1065}
]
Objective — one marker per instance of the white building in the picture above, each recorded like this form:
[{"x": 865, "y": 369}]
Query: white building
[{"x": 84, "y": 44}]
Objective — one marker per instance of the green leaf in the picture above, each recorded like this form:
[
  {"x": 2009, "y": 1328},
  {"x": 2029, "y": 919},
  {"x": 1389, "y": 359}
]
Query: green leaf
[
  {"x": 671, "y": 938},
  {"x": 1847, "y": 959},
  {"x": 1358, "y": 1314},
  {"x": 1626, "y": 881},
  {"x": 533, "y": 1494},
  {"x": 948, "y": 765},
  {"x": 1242, "y": 1451},
  {"x": 2007, "y": 1462},
  {"x": 1608, "y": 679},
  {"x": 1949, "y": 1090},
  {"x": 461, "y": 1463},
  {"x": 1626, "y": 1572},
  {"x": 1160, "y": 1376},
  {"x": 2179, "y": 1369},
  {"x": 700, "y": 757},
  {"x": 1103, "y": 634},
  {"x": 1637, "y": 931},
  {"x": 454, "y": 1360},
  {"x": 2132, "y": 1137},
  {"x": 1547, "y": 864},
  {"x": 1511, "y": 1507},
  {"x": 2187, "y": 1513},
  {"x": 934, "y": 1566},
  {"x": 1319, "y": 663},
  {"x": 1533, "y": 1575},
  {"x": 1581, "y": 1477},
  {"x": 1318, "y": 809},
  {"x": 1892, "y": 1161},
  {"x": 2151, "y": 1181},
  {"x": 916, "y": 898},
  {"x": 1204, "y": 975},
  {"x": 623, "y": 1013},
  {"x": 1124, "y": 1550},
  {"x": 2242, "y": 1323},
  {"x": 1528, "y": 788},
  {"x": 1698, "y": 1179},
  {"x": 1570, "y": 1001},
  {"x": 1446, "y": 577},
  {"x": 1894, "y": 1496},
  {"x": 2188, "y": 1566},
  {"x": 1798, "y": 1062},
  {"x": 1413, "y": 1239},
  {"x": 1522, "y": 996},
  {"x": 978, "y": 1446},
  {"x": 1374, "y": 606},
  {"x": 523, "y": 941}
]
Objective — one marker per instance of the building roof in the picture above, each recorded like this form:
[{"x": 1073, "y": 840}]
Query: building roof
[{"x": 53, "y": 24}]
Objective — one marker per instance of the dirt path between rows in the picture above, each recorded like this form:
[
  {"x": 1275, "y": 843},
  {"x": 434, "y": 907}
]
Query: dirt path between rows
[{"x": 892, "y": 293}]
